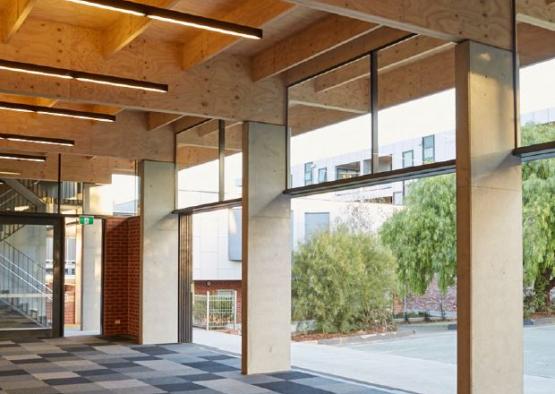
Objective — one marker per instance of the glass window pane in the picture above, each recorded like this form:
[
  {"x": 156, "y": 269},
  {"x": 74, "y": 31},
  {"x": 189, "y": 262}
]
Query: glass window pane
[
  {"x": 233, "y": 163},
  {"x": 197, "y": 165},
  {"x": 537, "y": 102},
  {"x": 416, "y": 114},
  {"x": 393, "y": 282},
  {"x": 25, "y": 276},
  {"x": 330, "y": 125}
]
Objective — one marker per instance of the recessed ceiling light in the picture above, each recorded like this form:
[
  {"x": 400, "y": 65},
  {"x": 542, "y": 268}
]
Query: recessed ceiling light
[
  {"x": 19, "y": 157},
  {"x": 9, "y": 173},
  {"x": 108, "y": 6},
  {"x": 176, "y": 17},
  {"x": 37, "y": 140},
  {"x": 55, "y": 72},
  {"x": 57, "y": 112}
]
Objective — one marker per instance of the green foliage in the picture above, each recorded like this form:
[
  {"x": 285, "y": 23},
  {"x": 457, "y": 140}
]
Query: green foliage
[
  {"x": 423, "y": 235},
  {"x": 344, "y": 281}
]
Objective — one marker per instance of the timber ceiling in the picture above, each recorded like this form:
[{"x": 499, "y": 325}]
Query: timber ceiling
[{"x": 214, "y": 75}]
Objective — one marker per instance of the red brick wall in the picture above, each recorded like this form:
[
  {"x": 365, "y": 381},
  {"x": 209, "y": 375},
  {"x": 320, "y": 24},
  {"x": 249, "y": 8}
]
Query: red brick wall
[
  {"x": 134, "y": 274},
  {"x": 121, "y": 277},
  {"x": 202, "y": 286}
]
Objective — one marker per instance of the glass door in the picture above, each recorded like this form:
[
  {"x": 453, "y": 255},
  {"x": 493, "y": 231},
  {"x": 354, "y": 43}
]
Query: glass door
[{"x": 31, "y": 275}]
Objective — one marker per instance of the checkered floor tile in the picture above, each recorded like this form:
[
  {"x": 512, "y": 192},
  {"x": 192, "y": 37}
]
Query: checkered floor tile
[{"x": 95, "y": 365}]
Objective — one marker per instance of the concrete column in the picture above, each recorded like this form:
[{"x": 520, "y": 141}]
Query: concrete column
[
  {"x": 159, "y": 251},
  {"x": 266, "y": 273},
  {"x": 489, "y": 224},
  {"x": 98, "y": 200},
  {"x": 91, "y": 277}
]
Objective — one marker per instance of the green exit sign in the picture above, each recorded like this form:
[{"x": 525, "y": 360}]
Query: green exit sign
[{"x": 86, "y": 219}]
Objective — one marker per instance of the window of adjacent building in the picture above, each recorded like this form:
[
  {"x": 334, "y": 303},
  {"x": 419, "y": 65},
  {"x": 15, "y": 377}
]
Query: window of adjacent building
[
  {"x": 398, "y": 198},
  {"x": 349, "y": 170},
  {"x": 315, "y": 222},
  {"x": 308, "y": 177},
  {"x": 408, "y": 158},
  {"x": 428, "y": 149},
  {"x": 322, "y": 175}
]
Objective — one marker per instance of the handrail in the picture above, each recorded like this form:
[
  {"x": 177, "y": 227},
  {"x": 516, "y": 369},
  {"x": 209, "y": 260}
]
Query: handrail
[
  {"x": 48, "y": 293},
  {"x": 21, "y": 285}
]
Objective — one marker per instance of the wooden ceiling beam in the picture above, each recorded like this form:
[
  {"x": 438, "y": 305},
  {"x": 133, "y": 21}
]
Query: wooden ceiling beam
[
  {"x": 220, "y": 88},
  {"x": 205, "y": 45},
  {"x": 488, "y": 22},
  {"x": 126, "y": 138},
  {"x": 540, "y": 13},
  {"x": 322, "y": 36},
  {"x": 13, "y": 17},
  {"x": 405, "y": 52},
  {"x": 156, "y": 120},
  {"x": 352, "y": 97},
  {"x": 129, "y": 27},
  {"x": 187, "y": 122},
  {"x": 345, "y": 53},
  {"x": 76, "y": 168}
]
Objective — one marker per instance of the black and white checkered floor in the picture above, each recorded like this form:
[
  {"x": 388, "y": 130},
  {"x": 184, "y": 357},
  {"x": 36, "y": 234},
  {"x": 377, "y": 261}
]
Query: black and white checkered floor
[{"x": 95, "y": 365}]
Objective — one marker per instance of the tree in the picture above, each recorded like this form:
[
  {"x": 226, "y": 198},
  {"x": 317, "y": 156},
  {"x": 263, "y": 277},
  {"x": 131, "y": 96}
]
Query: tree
[
  {"x": 539, "y": 218},
  {"x": 344, "y": 281},
  {"x": 423, "y": 235}
]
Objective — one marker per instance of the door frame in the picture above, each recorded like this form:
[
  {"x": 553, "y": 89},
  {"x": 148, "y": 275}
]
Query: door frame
[{"x": 58, "y": 269}]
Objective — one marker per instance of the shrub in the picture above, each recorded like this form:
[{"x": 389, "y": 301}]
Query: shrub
[{"x": 344, "y": 281}]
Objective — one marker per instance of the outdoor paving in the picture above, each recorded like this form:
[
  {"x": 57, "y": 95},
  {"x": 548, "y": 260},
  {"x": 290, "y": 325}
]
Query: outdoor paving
[
  {"x": 422, "y": 363},
  {"x": 95, "y": 365}
]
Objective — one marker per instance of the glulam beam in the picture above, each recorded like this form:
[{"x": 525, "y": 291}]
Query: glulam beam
[
  {"x": 13, "y": 17},
  {"x": 323, "y": 35},
  {"x": 203, "y": 46},
  {"x": 488, "y": 22}
]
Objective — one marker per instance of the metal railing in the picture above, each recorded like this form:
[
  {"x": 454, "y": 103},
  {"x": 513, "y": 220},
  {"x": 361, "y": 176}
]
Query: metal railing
[
  {"x": 215, "y": 310},
  {"x": 23, "y": 285}
]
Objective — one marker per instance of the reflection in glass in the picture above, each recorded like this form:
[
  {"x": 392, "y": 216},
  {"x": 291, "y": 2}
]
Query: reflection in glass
[
  {"x": 25, "y": 277},
  {"x": 330, "y": 125},
  {"x": 197, "y": 165}
]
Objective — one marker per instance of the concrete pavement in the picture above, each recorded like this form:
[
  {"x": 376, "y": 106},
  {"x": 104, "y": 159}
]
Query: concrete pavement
[{"x": 422, "y": 363}]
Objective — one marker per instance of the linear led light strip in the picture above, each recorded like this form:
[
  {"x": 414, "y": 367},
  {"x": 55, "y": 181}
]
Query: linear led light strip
[
  {"x": 57, "y": 112},
  {"x": 15, "y": 156},
  {"x": 81, "y": 76},
  {"x": 37, "y": 140},
  {"x": 176, "y": 17}
]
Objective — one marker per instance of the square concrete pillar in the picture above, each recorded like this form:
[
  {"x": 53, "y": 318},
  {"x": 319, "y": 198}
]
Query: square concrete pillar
[
  {"x": 159, "y": 251},
  {"x": 266, "y": 319},
  {"x": 489, "y": 224}
]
